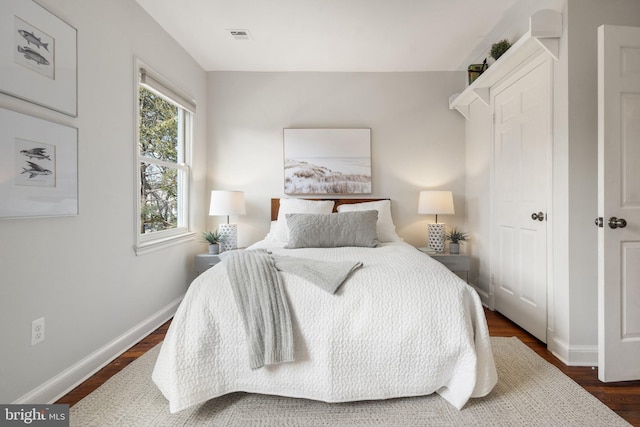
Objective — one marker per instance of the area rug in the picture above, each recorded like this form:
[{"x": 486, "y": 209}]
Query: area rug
[{"x": 530, "y": 391}]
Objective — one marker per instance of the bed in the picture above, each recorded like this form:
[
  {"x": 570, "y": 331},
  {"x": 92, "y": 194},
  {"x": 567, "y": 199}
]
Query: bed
[{"x": 400, "y": 325}]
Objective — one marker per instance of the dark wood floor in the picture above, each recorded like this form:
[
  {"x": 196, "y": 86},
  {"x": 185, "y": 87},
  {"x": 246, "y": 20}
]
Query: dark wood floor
[{"x": 623, "y": 398}]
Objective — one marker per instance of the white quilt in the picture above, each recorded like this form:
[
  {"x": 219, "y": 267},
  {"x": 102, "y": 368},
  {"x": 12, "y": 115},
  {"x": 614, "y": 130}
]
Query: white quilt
[{"x": 402, "y": 325}]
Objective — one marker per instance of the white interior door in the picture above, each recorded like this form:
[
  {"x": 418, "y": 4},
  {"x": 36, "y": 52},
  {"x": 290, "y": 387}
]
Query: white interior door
[
  {"x": 522, "y": 111},
  {"x": 619, "y": 202}
]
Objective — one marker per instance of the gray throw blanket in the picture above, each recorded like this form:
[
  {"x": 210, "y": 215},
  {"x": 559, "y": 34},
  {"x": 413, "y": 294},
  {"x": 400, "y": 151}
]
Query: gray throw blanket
[
  {"x": 257, "y": 289},
  {"x": 327, "y": 276},
  {"x": 260, "y": 298}
]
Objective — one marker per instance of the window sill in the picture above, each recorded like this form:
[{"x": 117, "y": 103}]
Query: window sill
[{"x": 143, "y": 248}]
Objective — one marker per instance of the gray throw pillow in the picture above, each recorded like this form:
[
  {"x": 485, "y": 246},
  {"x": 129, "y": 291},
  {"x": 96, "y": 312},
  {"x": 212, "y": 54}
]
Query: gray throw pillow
[{"x": 333, "y": 230}]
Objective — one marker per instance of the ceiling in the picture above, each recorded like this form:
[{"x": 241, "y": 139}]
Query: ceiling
[{"x": 338, "y": 35}]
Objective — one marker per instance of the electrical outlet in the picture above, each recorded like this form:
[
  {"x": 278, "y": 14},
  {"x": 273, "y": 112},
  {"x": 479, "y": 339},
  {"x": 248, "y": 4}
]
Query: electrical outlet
[{"x": 37, "y": 331}]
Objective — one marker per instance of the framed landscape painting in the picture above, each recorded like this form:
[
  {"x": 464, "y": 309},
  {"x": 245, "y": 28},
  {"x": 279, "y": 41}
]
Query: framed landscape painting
[
  {"x": 327, "y": 161},
  {"x": 38, "y": 56},
  {"x": 38, "y": 167}
]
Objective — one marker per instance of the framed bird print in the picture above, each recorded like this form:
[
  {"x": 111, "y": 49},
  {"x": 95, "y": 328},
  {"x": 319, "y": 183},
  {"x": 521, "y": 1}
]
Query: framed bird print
[
  {"x": 38, "y": 167},
  {"x": 38, "y": 59}
]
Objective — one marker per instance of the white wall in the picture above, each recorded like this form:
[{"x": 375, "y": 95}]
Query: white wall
[
  {"x": 80, "y": 273},
  {"x": 559, "y": 295},
  {"x": 584, "y": 17},
  {"x": 417, "y": 142},
  {"x": 477, "y": 182},
  {"x": 573, "y": 288},
  {"x": 575, "y": 282}
]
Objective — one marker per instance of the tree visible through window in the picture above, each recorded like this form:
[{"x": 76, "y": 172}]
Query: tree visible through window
[
  {"x": 164, "y": 138},
  {"x": 159, "y": 147}
]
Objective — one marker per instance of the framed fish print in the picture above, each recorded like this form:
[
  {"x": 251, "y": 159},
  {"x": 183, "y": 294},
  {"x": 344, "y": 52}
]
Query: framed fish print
[
  {"x": 38, "y": 56},
  {"x": 327, "y": 161},
  {"x": 38, "y": 167}
]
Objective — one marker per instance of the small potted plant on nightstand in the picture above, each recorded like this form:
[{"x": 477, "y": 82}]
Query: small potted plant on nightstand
[
  {"x": 214, "y": 239},
  {"x": 455, "y": 236}
]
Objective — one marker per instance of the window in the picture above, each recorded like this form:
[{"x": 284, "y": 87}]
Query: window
[{"x": 162, "y": 162}]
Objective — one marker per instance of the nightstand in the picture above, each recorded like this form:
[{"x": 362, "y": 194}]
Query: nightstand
[
  {"x": 205, "y": 261},
  {"x": 454, "y": 262}
]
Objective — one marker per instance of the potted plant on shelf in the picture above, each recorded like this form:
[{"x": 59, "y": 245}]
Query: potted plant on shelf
[
  {"x": 455, "y": 236},
  {"x": 499, "y": 48},
  {"x": 214, "y": 239}
]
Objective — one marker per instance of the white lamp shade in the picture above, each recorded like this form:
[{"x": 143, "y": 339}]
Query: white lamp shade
[
  {"x": 227, "y": 203},
  {"x": 436, "y": 203}
]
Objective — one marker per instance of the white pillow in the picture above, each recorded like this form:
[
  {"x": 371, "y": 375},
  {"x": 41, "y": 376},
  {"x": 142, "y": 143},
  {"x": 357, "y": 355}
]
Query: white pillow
[
  {"x": 385, "y": 226},
  {"x": 287, "y": 206},
  {"x": 272, "y": 231}
]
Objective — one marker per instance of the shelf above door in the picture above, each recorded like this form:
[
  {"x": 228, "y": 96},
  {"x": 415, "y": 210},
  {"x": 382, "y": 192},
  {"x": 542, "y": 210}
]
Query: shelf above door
[{"x": 545, "y": 29}]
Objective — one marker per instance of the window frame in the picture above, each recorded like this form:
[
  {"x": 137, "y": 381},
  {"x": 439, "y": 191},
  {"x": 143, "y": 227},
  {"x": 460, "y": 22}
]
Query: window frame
[{"x": 148, "y": 78}]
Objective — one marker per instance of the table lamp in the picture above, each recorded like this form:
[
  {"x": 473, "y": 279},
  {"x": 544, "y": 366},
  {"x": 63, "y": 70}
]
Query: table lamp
[
  {"x": 227, "y": 203},
  {"x": 436, "y": 203}
]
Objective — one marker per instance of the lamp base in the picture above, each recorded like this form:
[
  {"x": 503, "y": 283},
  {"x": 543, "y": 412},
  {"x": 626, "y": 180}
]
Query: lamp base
[
  {"x": 229, "y": 234},
  {"x": 436, "y": 236}
]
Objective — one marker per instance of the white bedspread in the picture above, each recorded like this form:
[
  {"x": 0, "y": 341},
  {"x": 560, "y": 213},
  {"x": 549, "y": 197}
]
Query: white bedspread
[{"x": 402, "y": 325}]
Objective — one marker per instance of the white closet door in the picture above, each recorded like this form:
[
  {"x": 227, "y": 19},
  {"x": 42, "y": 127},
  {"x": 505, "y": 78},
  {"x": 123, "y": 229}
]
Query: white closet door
[
  {"x": 619, "y": 203},
  {"x": 522, "y": 111}
]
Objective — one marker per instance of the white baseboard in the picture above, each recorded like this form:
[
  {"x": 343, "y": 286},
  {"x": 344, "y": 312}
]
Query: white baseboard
[
  {"x": 67, "y": 380},
  {"x": 484, "y": 295},
  {"x": 573, "y": 355}
]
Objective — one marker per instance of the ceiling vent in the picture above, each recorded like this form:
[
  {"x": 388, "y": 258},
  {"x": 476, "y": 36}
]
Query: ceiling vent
[{"x": 240, "y": 34}]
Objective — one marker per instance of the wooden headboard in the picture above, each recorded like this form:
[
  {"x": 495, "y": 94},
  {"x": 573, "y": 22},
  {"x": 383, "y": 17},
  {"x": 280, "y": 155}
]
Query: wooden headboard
[{"x": 275, "y": 204}]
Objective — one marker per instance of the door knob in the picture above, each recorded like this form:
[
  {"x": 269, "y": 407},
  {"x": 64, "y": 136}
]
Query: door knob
[
  {"x": 599, "y": 222},
  {"x": 537, "y": 216},
  {"x": 617, "y": 222}
]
